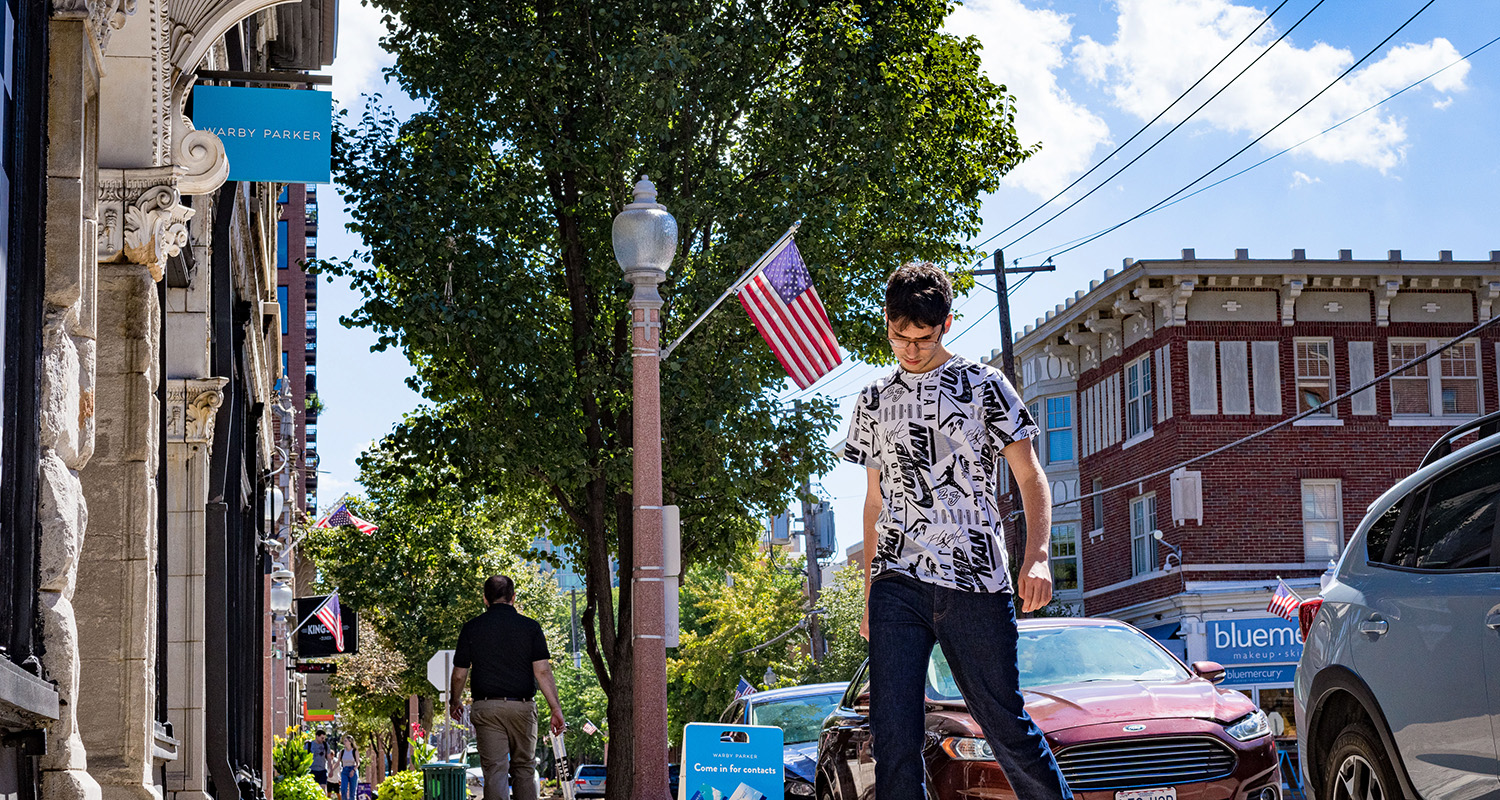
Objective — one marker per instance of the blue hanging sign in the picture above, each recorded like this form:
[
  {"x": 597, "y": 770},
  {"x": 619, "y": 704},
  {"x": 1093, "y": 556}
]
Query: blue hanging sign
[
  {"x": 731, "y": 762},
  {"x": 1263, "y": 640},
  {"x": 272, "y": 135}
]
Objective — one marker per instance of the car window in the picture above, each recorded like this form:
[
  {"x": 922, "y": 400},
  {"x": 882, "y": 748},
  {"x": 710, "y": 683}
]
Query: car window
[
  {"x": 858, "y": 686},
  {"x": 1073, "y": 654},
  {"x": 1378, "y": 541},
  {"x": 590, "y": 771},
  {"x": 1458, "y": 526},
  {"x": 799, "y": 718},
  {"x": 731, "y": 715}
]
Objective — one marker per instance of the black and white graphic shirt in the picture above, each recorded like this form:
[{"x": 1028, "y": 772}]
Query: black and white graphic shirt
[{"x": 936, "y": 439}]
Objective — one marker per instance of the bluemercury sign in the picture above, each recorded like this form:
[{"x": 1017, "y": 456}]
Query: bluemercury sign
[
  {"x": 731, "y": 762},
  {"x": 274, "y": 135},
  {"x": 1264, "y": 640},
  {"x": 1250, "y": 676}
]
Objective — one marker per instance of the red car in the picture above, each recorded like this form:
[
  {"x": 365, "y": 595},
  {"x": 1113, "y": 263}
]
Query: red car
[{"x": 1125, "y": 718}]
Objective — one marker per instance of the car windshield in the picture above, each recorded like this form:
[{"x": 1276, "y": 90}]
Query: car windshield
[
  {"x": 1072, "y": 654},
  {"x": 800, "y": 718}
]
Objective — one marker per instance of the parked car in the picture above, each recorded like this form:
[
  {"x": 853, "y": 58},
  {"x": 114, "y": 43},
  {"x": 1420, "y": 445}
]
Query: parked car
[
  {"x": 1398, "y": 690},
  {"x": 588, "y": 781},
  {"x": 1125, "y": 718},
  {"x": 799, "y": 712},
  {"x": 674, "y": 773}
]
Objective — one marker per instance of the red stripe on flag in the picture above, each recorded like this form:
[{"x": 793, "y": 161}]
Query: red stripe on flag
[
  {"x": 775, "y": 350},
  {"x": 801, "y": 333},
  {"x": 817, "y": 328},
  {"x": 775, "y": 333}
]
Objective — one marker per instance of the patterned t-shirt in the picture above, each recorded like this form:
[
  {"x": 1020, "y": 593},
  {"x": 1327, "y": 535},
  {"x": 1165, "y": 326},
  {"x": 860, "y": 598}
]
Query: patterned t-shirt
[{"x": 936, "y": 439}]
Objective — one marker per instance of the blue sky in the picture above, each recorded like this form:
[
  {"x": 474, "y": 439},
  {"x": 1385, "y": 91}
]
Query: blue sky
[{"x": 1418, "y": 174}]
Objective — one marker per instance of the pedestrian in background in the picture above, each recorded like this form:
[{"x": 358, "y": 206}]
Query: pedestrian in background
[
  {"x": 508, "y": 656},
  {"x": 348, "y": 769},
  {"x": 319, "y": 749},
  {"x": 934, "y": 436}
]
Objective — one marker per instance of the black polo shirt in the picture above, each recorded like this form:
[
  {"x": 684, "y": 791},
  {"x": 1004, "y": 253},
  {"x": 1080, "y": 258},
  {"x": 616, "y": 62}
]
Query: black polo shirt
[{"x": 498, "y": 647}]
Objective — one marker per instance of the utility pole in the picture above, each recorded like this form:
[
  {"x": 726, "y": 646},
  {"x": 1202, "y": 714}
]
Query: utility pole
[
  {"x": 1008, "y": 359},
  {"x": 814, "y": 572}
]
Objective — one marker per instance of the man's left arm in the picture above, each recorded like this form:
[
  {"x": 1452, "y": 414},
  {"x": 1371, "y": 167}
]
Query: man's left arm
[{"x": 1035, "y": 589}]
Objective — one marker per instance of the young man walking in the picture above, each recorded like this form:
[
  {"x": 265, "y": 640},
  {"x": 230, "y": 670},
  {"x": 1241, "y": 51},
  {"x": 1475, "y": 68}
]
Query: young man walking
[
  {"x": 934, "y": 436},
  {"x": 509, "y": 658}
]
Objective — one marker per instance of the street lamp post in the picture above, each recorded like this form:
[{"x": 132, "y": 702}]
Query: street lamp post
[{"x": 645, "y": 239}]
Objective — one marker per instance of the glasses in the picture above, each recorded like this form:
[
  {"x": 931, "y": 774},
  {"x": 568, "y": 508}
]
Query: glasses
[{"x": 922, "y": 345}]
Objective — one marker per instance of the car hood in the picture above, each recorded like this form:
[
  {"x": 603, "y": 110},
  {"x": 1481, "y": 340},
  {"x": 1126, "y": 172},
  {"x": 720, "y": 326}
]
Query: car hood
[
  {"x": 1056, "y": 708},
  {"x": 800, "y": 760}
]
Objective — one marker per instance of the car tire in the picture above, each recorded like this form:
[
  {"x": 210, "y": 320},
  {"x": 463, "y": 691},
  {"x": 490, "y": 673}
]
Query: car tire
[{"x": 1358, "y": 767}]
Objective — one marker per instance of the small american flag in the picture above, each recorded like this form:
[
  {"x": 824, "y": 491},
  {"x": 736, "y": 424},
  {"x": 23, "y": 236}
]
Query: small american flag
[
  {"x": 333, "y": 618},
  {"x": 744, "y": 690},
  {"x": 341, "y": 516},
  {"x": 1284, "y": 601},
  {"x": 785, "y": 308},
  {"x": 589, "y": 728}
]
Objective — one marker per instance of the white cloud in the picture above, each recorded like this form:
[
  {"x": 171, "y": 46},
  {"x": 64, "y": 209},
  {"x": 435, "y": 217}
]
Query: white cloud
[
  {"x": 1162, "y": 46},
  {"x": 360, "y": 58},
  {"x": 1442, "y": 105},
  {"x": 1300, "y": 178},
  {"x": 1024, "y": 51}
]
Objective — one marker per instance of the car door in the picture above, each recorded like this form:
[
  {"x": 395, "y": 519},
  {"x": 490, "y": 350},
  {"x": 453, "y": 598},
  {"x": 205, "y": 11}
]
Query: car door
[
  {"x": 846, "y": 759},
  {"x": 1422, "y": 638}
]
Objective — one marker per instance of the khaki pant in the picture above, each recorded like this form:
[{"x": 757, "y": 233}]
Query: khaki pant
[{"x": 506, "y": 730}]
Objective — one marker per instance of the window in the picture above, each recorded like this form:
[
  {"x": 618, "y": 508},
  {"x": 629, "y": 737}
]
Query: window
[
  {"x": 281, "y": 244},
  {"x": 1447, "y": 386},
  {"x": 1138, "y": 397},
  {"x": 1059, "y": 429},
  {"x": 1459, "y": 523},
  {"x": 1098, "y": 504},
  {"x": 281, "y": 298},
  {"x": 1142, "y": 544},
  {"x": 1314, "y": 375},
  {"x": 1065, "y": 557},
  {"x": 1322, "y": 519}
]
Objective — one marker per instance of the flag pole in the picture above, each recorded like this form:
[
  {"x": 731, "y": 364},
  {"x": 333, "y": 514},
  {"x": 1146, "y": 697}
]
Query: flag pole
[{"x": 767, "y": 256}]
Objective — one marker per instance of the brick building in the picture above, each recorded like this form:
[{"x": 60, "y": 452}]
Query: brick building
[
  {"x": 297, "y": 292},
  {"x": 1165, "y": 360}
]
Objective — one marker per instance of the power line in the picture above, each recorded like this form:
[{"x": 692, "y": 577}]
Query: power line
[
  {"x": 1289, "y": 420},
  {"x": 1257, "y": 139},
  {"x": 1286, "y": 150},
  {"x": 1174, "y": 128}
]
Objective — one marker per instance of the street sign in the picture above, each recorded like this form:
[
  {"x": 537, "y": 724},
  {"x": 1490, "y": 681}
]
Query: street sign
[
  {"x": 277, "y": 135},
  {"x": 314, "y": 640},
  {"x": 731, "y": 762},
  {"x": 440, "y": 670},
  {"x": 325, "y": 667},
  {"x": 319, "y": 696}
]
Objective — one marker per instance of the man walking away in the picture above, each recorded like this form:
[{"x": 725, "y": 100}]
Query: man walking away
[
  {"x": 934, "y": 435},
  {"x": 508, "y": 655}
]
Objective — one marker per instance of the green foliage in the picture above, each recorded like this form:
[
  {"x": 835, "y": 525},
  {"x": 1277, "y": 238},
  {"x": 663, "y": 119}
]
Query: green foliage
[
  {"x": 843, "y": 600},
  {"x": 300, "y": 787},
  {"x": 314, "y": 404},
  {"x": 290, "y": 756},
  {"x": 486, "y": 218},
  {"x": 719, "y": 622},
  {"x": 403, "y": 785},
  {"x": 421, "y": 751},
  {"x": 582, "y": 699}
]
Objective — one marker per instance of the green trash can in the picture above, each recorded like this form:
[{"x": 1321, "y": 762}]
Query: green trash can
[{"x": 444, "y": 780}]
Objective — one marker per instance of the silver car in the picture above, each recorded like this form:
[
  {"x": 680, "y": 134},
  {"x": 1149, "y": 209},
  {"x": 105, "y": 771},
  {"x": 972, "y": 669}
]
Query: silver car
[{"x": 1398, "y": 691}]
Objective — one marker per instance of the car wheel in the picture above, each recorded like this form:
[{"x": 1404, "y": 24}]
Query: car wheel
[{"x": 1358, "y": 768}]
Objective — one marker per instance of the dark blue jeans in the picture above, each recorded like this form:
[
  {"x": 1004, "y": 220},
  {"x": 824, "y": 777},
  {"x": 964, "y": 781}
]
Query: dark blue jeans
[{"x": 978, "y": 634}]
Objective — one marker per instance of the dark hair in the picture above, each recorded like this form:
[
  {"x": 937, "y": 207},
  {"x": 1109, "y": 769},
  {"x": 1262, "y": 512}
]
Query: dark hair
[
  {"x": 499, "y": 589},
  {"x": 320, "y": 732},
  {"x": 918, "y": 293}
]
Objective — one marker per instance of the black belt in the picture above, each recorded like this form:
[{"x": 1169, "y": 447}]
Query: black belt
[{"x": 511, "y": 699}]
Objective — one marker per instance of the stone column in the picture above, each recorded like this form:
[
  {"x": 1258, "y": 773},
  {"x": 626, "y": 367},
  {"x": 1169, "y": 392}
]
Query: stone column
[{"x": 191, "y": 405}]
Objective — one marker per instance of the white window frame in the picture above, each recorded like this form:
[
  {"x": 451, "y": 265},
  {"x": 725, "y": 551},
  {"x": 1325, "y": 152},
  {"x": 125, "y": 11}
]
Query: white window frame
[
  {"x": 1098, "y": 501},
  {"x": 1431, "y": 371},
  {"x": 1048, "y": 430},
  {"x": 1305, "y": 377},
  {"x": 1067, "y": 533},
  {"x": 1142, "y": 544},
  {"x": 1316, "y": 544},
  {"x": 1140, "y": 397}
]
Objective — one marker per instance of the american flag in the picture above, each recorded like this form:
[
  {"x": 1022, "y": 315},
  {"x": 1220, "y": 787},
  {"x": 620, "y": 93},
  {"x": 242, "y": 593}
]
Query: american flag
[
  {"x": 745, "y": 689},
  {"x": 332, "y": 617},
  {"x": 1284, "y": 601},
  {"x": 785, "y": 308},
  {"x": 341, "y": 516},
  {"x": 589, "y": 728}
]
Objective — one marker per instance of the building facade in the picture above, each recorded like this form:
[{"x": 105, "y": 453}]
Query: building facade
[
  {"x": 297, "y": 293},
  {"x": 140, "y": 350},
  {"x": 1163, "y": 361}
]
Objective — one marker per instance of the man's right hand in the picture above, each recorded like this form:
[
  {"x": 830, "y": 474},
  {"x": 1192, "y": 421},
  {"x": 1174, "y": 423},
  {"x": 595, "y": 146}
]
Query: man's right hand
[
  {"x": 864, "y": 623},
  {"x": 456, "y": 710}
]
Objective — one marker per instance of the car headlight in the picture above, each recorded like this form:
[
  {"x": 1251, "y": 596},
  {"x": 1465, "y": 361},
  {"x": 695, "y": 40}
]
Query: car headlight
[
  {"x": 967, "y": 748},
  {"x": 799, "y": 787},
  {"x": 1251, "y": 726}
]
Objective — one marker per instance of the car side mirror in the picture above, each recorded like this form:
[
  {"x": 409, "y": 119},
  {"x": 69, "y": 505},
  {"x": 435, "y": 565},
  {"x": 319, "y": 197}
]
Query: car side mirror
[
  {"x": 1211, "y": 671},
  {"x": 862, "y": 703}
]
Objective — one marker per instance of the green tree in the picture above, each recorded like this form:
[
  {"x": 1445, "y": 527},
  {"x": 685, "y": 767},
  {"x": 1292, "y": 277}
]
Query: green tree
[
  {"x": 732, "y": 628},
  {"x": 486, "y": 219},
  {"x": 843, "y": 602}
]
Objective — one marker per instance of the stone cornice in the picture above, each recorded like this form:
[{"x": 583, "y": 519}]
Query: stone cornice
[
  {"x": 141, "y": 220},
  {"x": 104, "y": 17},
  {"x": 191, "y": 407}
]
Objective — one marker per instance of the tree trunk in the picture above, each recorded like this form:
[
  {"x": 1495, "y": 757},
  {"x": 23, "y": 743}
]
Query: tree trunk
[
  {"x": 621, "y": 753},
  {"x": 398, "y": 737}
]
